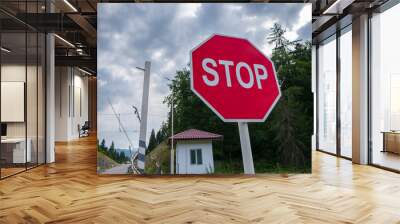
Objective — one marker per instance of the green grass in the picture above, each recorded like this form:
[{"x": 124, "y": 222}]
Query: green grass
[
  {"x": 267, "y": 167},
  {"x": 225, "y": 167},
  {"x": 236, "y": 167},
  {"x": 104, "y": 162},
  {"x": 160, "y": 154}
]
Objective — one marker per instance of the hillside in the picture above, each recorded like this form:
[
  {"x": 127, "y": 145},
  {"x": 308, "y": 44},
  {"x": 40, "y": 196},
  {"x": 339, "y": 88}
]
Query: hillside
[
  {"x": 160, "y": 154},
  {"x": 104, "y": 162}
]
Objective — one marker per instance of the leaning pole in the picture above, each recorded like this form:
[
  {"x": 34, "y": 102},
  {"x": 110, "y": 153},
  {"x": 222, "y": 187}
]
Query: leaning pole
[{"x": 143, "y": 118}]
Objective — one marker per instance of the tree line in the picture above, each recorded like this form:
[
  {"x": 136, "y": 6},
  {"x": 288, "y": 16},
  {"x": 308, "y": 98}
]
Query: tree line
[
  {"x": 111, "y": 152},
  {"x": 156, "y": 139}
]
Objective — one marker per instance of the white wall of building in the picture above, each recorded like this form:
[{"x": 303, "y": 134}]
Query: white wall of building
[
  {"x": 183, "y": 165},
  {"x": 71, "y": 102}
]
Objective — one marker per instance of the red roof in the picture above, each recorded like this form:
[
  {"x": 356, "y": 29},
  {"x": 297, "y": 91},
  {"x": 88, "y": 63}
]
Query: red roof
[{"x": 194, "y": 134}]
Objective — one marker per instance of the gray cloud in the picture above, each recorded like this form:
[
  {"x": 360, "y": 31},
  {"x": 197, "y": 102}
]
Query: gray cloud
[
  {"x": 305, "y": 32},
  {"x": 129, "y": 34}
]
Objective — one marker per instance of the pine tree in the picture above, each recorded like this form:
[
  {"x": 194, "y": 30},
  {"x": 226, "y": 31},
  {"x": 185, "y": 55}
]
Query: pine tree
[
  {"x": 112, "y": 151},
  {"x": 277, "y": 36},
  {"x": 152, "y": 141},
  {"x": 103, "y": 144},
  {"x": 158, "y": 137},
  {"x": 162, "y": 133},
  {"x": 123, "y": 157}
]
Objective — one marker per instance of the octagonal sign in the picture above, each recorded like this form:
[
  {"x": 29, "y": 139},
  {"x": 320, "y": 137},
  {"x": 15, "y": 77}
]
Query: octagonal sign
[{"x": 235, "y": 79}]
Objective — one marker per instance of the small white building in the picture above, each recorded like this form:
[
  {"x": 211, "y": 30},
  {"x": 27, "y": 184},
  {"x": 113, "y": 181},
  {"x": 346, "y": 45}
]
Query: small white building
[{"x": 194, "y": 152}]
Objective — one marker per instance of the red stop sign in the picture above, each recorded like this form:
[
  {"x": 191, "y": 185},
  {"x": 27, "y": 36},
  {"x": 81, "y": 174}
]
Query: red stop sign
[{"x": 236, "y": 80}]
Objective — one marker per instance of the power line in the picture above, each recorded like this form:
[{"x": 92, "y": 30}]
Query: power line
[
  {"x": 130, "y": 114},
  {"x": 119, "y": 122},
  {"x": 118, "y": 131}
]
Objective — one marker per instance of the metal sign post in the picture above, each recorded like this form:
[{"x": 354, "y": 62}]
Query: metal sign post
[
  {"x": 248, "y": 165},
  {"x": 143, "y": 118}
]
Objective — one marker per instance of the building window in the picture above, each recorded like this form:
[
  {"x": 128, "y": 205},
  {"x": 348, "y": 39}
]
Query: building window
[
  {"x": 385, "y": 89},
  {"x": 346, "y": 92},
  {"x": 327, "y": 95},
  {"x": 22, "y": 101},
  {"x": 196, "y": 157}
]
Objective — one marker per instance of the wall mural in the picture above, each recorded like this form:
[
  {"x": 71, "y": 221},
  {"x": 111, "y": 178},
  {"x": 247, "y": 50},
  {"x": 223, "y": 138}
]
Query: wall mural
[{"x": 204, "y": 88}]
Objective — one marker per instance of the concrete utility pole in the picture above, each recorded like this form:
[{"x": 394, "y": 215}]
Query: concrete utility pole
[{"x": 143, "y": 117}]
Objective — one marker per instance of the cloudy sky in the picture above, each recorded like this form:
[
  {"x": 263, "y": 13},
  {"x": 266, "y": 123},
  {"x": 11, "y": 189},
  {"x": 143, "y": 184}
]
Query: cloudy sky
[{"x": 131, "y": 33}]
